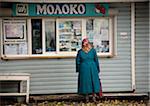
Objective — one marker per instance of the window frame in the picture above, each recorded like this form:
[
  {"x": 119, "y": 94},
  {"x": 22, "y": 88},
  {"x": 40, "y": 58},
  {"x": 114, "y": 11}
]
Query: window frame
[
  {"x": 44, "y": 37},
  {"x": 15, "y": 22},
  {"x": 57, "y": 35},
  {"x": 56, "y": 54},
  {"x": 111, "y": 40},
  {"x": 13, "y": 41}
]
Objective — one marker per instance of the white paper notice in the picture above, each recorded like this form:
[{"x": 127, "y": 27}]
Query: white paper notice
[
  {"x": 104, "y": 34},
  {"x": 10, "y": 49},
  {"x": 23, "y": 48}
]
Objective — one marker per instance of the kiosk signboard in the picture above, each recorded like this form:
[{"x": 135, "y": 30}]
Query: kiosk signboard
[{"x": 61, "y": 9}]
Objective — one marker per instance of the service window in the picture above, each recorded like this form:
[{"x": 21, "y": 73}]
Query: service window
[
  {"x": 50, "y": 35},
  {"x": 99, "y": 31},
  {"x": 14, "y": 39},
  {"x": 36, "y": 36},
  {"x": 57, "y": 37},
  {"x": 69, "y": 35}
]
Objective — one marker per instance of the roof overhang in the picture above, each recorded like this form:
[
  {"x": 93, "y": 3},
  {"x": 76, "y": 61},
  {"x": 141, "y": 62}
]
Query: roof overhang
[{"x": 71, "y": 1}]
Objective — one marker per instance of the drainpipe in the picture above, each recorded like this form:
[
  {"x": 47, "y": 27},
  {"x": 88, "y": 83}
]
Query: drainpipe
[{"x": 133, "y": 45}]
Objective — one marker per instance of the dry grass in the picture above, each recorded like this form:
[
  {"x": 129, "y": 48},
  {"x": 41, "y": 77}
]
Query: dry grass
[{"x": 76, "y": 100}]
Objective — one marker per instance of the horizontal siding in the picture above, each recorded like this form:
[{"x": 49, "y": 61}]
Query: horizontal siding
[
  {"x": 59, "y": 76},
  {"x": 141, "y": 45},
  {"x": 149, "y": 57},
  {"x": 47, "y": 75}
]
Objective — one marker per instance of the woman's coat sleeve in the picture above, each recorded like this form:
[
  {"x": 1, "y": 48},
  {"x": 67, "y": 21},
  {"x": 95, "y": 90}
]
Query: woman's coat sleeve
[
  {"x": 96, "y": 60},
  {"x": 78, "y": 61}
]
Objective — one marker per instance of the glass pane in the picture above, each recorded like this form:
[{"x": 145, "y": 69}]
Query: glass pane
[
  {"x": 14, "y": 31},
  {"x": 98, "y": 33},
  {"x": 36, "y": 36},
  {"x": 50, "y": 35},
  {"x": 70, "y": 35}
]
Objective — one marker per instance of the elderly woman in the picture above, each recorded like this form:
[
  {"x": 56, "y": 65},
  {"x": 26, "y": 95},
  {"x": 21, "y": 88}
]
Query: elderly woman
[{"x": 88, "y": 67}]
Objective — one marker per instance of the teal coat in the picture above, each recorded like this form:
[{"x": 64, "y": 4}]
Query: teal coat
[{"x": 88, "y": 67}]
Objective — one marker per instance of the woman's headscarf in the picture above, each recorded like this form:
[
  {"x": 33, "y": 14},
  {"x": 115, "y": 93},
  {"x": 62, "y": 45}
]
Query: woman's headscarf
[{"x": 85, "y": 41}]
